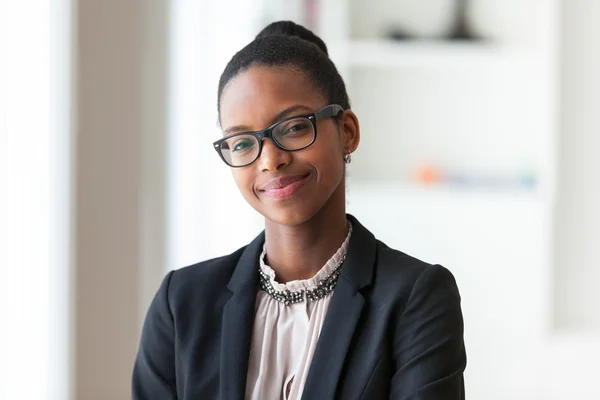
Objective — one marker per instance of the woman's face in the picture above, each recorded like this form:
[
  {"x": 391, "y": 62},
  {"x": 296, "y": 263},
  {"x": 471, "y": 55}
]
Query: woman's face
[{"x": 287, "y": 187}]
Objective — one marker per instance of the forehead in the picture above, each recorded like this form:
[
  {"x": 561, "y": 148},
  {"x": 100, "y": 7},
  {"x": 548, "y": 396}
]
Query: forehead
[{"x": 257, "y": 94}]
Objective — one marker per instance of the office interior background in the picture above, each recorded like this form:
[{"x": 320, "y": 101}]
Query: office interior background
[{"x": 480, "y": 127}]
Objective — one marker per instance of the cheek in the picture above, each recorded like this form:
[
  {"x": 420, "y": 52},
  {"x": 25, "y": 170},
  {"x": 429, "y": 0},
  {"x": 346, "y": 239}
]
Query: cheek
[
  {"x": 330, "y": 153},
  {"x": 329, "y": 163},
  {"x": 335, "y": 168}
]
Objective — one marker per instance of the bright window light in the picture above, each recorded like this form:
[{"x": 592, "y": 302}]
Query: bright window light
[{"x": 34, "y": 199}]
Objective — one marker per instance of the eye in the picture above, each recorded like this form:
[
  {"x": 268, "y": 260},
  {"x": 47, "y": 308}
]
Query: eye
[
  {"x": 297, "y": 128},
  {"x": 242, "y": 145}
]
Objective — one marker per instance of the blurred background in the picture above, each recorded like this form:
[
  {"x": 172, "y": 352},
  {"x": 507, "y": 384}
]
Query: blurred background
[{"x": 480, "y": 133}]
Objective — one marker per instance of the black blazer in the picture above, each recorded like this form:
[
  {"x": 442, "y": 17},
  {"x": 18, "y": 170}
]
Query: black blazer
[{"x": 393, "y": 329}]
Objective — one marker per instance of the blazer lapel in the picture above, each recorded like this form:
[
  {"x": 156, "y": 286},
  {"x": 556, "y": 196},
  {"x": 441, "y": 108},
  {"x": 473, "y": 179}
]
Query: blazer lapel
[
  {"x": 238, "y": 319},
  {"x": 342, "y": 316}
]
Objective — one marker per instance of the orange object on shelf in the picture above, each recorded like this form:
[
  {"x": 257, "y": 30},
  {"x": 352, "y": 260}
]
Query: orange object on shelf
[{"x": 429, "y": 174}]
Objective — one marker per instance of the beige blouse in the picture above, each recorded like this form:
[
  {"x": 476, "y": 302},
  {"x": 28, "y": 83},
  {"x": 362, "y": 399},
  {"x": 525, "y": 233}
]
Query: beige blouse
[{"x": 284, "y": 338}]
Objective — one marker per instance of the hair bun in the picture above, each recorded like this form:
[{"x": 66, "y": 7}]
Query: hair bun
[{"x": 290, "y": 28}]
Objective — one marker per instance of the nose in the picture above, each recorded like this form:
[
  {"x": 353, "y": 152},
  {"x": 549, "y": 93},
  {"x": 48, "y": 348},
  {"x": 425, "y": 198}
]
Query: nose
[{"x": 272, "y": 158}]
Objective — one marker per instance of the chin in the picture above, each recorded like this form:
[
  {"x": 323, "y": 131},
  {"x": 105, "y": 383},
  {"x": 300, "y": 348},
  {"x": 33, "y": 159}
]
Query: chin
[{"x": 289, "y": 215}]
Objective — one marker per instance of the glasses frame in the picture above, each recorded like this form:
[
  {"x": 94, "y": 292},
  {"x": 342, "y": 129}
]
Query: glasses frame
[{"x": 332, "y": 110}]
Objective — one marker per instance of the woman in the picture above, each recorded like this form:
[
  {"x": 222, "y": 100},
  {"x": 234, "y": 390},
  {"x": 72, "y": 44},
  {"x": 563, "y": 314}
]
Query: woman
[{"x": 315, "y": 307}]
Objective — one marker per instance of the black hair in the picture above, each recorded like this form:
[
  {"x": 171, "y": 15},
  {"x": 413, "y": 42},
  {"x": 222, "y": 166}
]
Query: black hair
[{"x": 287, "y": 44}]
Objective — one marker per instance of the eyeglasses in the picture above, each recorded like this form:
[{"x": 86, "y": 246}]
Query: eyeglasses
[{"x": 291, "y": 134}]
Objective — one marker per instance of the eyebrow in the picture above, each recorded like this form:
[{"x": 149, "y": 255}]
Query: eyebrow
[{"x": 277, "y": 117}]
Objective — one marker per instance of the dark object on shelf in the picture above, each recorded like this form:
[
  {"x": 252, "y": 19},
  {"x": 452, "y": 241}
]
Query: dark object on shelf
[
  {"x": 399, "y": 34},
  {"x": 462, "y": 29}
]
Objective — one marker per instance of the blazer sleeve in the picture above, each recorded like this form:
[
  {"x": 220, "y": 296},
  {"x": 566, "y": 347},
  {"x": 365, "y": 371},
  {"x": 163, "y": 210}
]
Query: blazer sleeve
[
  {"x": 154, "y": 369},
  {"x": 430, "y": 354}
]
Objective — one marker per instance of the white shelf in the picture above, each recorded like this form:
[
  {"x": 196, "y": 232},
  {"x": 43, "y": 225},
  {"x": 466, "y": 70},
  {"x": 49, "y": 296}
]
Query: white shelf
[
  {"x": 421, "y": 192},
  {"x": 384, "y": 53}
]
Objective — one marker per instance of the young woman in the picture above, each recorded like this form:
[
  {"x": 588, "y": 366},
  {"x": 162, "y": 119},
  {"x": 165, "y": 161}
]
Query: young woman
[{"x": 315, "y": 307}]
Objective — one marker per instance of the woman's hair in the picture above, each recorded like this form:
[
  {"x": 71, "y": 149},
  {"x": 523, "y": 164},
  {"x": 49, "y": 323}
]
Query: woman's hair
[{"x": 287, "y": 44}]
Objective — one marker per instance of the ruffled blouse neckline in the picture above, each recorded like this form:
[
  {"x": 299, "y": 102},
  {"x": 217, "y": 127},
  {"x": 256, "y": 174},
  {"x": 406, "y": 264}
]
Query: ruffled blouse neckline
[{"x": 311, "y": 283}]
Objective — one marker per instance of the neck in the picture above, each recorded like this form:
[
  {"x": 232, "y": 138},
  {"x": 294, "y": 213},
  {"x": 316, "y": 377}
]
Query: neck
[{"x": 300, "y": 251}]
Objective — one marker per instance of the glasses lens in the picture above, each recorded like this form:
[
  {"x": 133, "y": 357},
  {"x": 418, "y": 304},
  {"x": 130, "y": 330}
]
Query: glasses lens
[
  {"x": 294, "y": 134},
  {"x": 240, "y": 150}
]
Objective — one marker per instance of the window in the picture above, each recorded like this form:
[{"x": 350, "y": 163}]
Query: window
[{"x": 34, "y": 199}]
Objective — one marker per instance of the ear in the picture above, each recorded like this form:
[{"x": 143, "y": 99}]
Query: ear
[{"x": 350, "y": 132}]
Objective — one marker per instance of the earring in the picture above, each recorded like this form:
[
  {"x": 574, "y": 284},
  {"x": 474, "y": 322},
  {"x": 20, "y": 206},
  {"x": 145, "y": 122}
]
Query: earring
[{"x": 348, "y": 158}]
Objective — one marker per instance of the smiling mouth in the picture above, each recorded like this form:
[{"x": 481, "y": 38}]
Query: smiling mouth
[{"x": 285, "y": 187}]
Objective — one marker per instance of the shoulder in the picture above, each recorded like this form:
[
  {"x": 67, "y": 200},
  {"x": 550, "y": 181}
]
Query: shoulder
[
  {"x": 409, "y": 276},
  {"x": 421, "y": 306},
  {"x": 207, "y": 278}
]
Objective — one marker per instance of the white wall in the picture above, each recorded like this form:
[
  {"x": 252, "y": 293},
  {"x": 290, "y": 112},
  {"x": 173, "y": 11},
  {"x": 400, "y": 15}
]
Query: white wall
[
  {"x": 577, "y": 242},
  {"x": 569, "y": 364}
]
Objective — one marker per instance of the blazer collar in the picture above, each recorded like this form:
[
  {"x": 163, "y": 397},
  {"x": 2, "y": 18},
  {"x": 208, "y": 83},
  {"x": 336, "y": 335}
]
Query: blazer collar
[
  {"x": 246, "y": 269},
  {"x": 238, "y": 320},
  {"x": 358, "y": 268},
  {"x": 342, "y": 316}
]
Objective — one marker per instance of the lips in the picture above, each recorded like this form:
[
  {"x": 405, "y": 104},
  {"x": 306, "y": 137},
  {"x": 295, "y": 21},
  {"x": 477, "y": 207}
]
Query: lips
[
  {"x": 283, "y": 182},
  {"x": 285, "y": 187}
]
